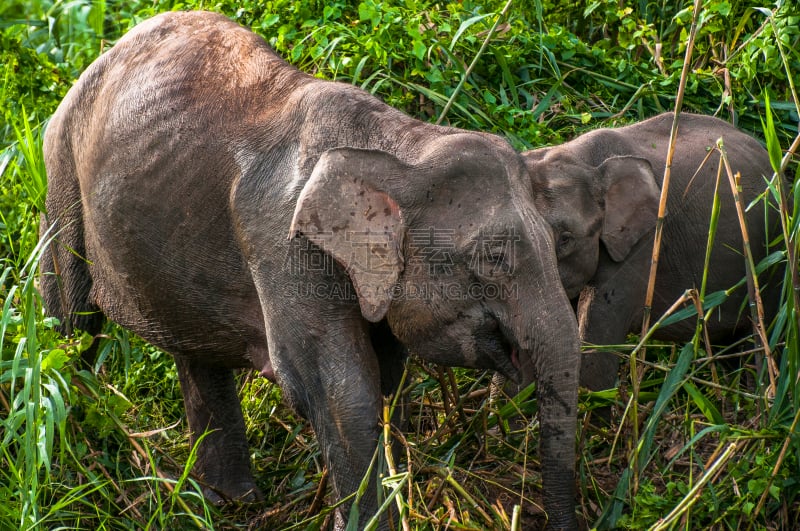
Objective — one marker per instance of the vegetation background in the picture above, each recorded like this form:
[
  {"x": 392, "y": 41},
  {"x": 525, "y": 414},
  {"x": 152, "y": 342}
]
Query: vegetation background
[{"x": 714, "y": 444}]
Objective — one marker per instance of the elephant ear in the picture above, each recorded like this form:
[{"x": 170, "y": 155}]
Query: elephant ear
[
  {"x": 631, "y": 203},
  {"x": 344, "y": 211}
]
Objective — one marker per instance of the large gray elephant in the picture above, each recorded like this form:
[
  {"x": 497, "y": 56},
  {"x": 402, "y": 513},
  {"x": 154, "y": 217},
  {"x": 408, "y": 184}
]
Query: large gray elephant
[
  {"x": 600, "y": 194},
  {"x": 238, "y": 213}
]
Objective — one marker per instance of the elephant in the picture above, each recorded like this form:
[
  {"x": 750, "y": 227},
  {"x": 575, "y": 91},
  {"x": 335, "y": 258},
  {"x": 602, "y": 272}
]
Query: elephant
[
  {"x": 239, "y": 213},
  {"x": 600, "y": 194}
]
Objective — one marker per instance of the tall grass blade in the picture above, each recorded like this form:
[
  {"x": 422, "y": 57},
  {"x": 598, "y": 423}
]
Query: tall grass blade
[
  {"x": 464, "y": 26},
  {"x": 31, "y": 168},
  {"x": 771, "y": 136},
  {"x": 355, "y": 510}
]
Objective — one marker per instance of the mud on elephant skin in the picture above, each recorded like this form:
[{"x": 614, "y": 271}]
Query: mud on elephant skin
[
  {"x": 600, "y": 194},
  {"x": 179, "y": 164}
]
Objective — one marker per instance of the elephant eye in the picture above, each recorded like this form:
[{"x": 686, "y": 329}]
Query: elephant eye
[
  {"x": 497, "y": 260},
  {"x": 493, "y": 253},
  {"x": 565, "y": 240},
  {"x": 496, "y": 257}
]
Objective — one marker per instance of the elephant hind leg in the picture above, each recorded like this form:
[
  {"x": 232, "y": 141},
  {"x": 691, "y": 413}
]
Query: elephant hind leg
[
  {"x": 65, "y": 280},
  {"x": 212, "y": 405}
]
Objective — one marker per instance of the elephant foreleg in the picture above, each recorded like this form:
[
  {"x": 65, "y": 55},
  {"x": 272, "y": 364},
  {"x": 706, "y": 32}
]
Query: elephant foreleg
[
  {"x": 598, "y": 367},
  {"x": 336, "y": 385},
  {"x": 392, "y": 357},
  {"x": 606, "y": 312}
]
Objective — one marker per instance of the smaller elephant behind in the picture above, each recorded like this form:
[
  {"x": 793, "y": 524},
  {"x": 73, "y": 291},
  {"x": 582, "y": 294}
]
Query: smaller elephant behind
[{"x": 600, "y": 194}]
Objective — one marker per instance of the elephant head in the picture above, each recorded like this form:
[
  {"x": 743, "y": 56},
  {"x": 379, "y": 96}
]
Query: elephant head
[
  {"x": 445, "y": 247},
  {"x": 614, "y": 204}
]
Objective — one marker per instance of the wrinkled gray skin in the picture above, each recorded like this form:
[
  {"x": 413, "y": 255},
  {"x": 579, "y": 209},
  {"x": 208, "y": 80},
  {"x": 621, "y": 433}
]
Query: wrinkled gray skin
[
  {"x": 600, "y": 194},
  {"x": 205, "y": 180}
]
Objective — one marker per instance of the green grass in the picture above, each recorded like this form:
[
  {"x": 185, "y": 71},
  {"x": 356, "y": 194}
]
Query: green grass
[{"x": 716, "y": 447}]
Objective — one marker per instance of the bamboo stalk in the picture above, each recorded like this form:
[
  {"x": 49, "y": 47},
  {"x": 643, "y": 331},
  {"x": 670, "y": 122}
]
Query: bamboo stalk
[
  {"x": 662, "y": 209},
  {"x": 515, "y": 518},
  {"x": 756, "y": 304},
  {"x": 469, "y": 499},
  {"x": 387, "y": 448},
  {"x": 790, "y": 153}
]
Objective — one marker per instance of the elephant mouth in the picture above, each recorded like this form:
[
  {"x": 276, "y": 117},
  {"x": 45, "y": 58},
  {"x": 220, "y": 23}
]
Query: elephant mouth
[{"x": 508, "y": 362}]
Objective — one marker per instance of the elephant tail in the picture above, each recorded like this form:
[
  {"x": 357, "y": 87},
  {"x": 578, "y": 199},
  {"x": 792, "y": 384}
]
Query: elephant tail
[{"x": 65, "y": 281}]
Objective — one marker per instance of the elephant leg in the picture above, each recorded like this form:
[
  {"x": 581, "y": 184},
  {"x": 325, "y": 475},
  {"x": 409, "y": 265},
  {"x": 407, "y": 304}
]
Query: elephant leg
[
  {"x": 599, "y": 368},
  {"x": 66, "y": 283},
  {"x": 606, "y": 312},
  {"x": 335, "y": 383},
  {"x": 392, "y": 357},
  {"x": 212, "y": 405}
]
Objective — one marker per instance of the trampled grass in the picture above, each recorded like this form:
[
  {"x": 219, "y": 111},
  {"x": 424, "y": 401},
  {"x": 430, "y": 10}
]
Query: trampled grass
[{"x": 106, "y": 447}]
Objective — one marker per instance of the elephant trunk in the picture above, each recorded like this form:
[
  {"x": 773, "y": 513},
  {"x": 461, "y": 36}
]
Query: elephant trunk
[
  {"x": 550, "y": 355},
  {"x": 557, "y": 391}
]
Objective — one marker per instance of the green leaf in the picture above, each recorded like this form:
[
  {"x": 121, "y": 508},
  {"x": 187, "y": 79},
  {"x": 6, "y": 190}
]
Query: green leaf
[
  {"x": 465, "y": 26},
  {"x": 366, "y": 11},
  {"x": 704, "y": 404},
  {"x": 771, "y": 136},
  {"x": 757, "y": 486},
  {"x": 419, "y": 50},
  {"x": 723, "y": 8},
  {"x": 55, "y": 359},
  {"x": 270, "y": 20},
  {"x": 590, "y": 8}
]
